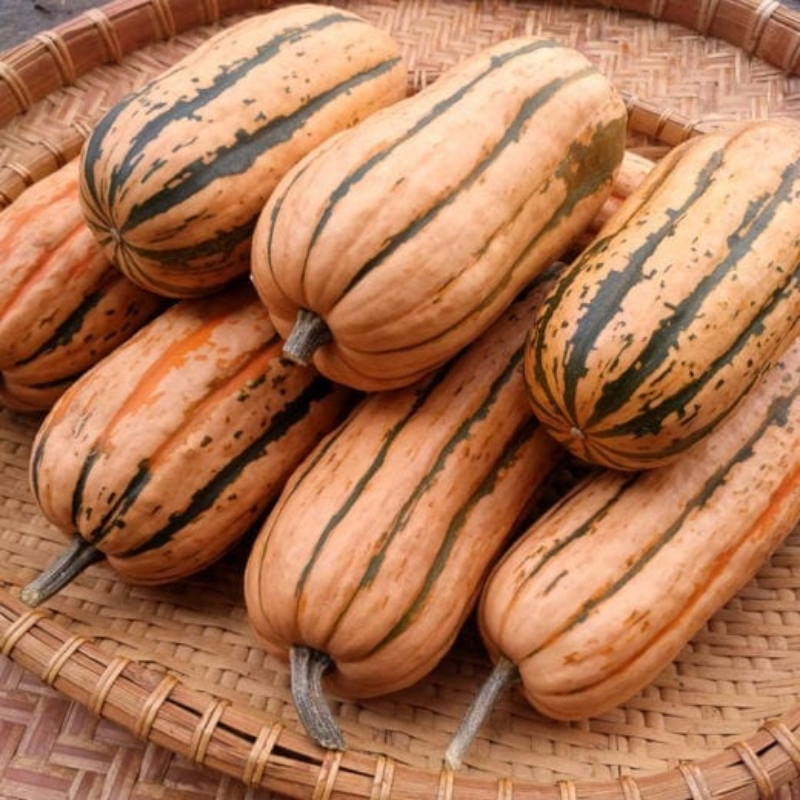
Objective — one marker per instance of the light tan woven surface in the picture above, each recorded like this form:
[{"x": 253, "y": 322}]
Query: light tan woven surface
[
  {"x": 56, "y": 748},
  {"x": 125, "y": 691}
]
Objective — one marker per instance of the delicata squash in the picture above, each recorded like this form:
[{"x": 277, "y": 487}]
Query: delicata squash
[
  {"x": 175, "y": 175},
  {"x": 607, "y": 587},
  {"x": 163, "y": 455},
  {"x": 63, "y": 305},
  {"x": 688, "y": 293},
  {"x": 373, "y": 555},
  {"x": 394, "y": 244}
]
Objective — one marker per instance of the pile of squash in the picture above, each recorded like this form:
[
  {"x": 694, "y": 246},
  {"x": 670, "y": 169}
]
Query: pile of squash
[{"x": 372, "y": 327}]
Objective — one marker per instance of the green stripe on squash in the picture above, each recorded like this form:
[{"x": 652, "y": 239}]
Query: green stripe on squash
[
  {"x": 175, "y": 175},
  {"x": 166, "y": 454},
  {"x": 669, "y": 318},
  {"x": 371, "y": 557},
  {"x": 396, "y": 243}
]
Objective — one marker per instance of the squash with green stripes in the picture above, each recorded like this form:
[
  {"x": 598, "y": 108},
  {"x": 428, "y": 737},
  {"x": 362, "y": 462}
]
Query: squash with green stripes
[
  {"x": 63, "y": 305},
  {"x": 692, "y": 288},
  {"x": 606, "y": 588},
  {"x": 372, "y": 557},
  {"x": 175, "y": 174},
  {"x": 394, "y": 244},
  {"x": 167, "y": 452}
]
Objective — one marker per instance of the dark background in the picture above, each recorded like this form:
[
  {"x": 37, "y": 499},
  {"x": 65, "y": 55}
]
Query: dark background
[{"x": 20, "y": 19}]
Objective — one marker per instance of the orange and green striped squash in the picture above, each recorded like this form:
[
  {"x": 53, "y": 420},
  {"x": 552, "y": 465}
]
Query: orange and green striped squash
[
  {"x": 687, "y": 294},
  {"x": 63, "y": 305},
  {"x": 373, "y": 555},
  {"x": 596, "y": 598},
  {"x": 394, "y": 244},
  {"x": 175, "y": 175},
  {"x": 164, "y": 454}
]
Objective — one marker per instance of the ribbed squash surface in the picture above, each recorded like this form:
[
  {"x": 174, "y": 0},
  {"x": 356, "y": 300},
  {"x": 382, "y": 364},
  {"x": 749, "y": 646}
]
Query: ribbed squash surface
[
  {"x": 598, "y": 596},
  {"x": 671, "y": 315},
  {"x": 165, "y": 453},
  {"x": 409, "y": 234},
  {"x": 175, "y": 175},
  {"x": 63, "y": 305},
  {"x": 376, "y": 548}
]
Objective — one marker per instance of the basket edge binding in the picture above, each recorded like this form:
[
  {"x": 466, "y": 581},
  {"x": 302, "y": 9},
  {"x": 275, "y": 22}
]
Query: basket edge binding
[
  {"x": 260, "y": 751},
  {"x": 56, "y": 58}
]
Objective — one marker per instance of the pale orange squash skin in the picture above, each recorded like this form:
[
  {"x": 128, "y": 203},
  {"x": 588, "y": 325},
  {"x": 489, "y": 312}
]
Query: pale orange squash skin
[
  {"x": 175, "y": 175},
  {"x": 410, "y": 233},
  {"x": 376, "y": 548},
  {"x": 54, "y": 271},
  {"x": 686, "y": 295},
  {"x": 195, "y": 419},
  {"x": 633, "y": 170},
  {"x": 592, "y": 606}
]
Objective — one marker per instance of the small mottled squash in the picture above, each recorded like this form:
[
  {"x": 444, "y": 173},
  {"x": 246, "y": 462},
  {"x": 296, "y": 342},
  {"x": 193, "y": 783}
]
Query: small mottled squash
[
  {"x": 692, "y": 288},
  {"x": 394, "y": 244},
  {"x": 175, "y": 175},
  {"x": 373, "y": 555},
  {"x": 606, "y": 588},
  {"x": 63, "y": 305},
  {"x": 164, "y": 454}
]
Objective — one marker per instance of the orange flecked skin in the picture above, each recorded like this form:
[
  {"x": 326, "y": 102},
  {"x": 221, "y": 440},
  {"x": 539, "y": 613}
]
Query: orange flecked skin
[
  {"x": 166, "y": 453},
  {"x": 63, "y": 304},
  {"x": 601, "y": 593}
]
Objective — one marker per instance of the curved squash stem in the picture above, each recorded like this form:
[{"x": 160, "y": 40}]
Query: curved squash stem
[
  {"x": 307, "y": 668},
  {"x": 309, "y": 332},
  {"x": 77, "y": 556},
  {"x": 502, "y": 676}
]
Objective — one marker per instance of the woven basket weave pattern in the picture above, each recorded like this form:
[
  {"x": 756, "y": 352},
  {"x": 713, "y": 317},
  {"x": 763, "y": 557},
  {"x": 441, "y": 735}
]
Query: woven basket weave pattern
[{"x": 177, "y": 666}]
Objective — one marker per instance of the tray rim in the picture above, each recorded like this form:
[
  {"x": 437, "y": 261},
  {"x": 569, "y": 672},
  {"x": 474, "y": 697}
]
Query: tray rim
[
  {"x": 764, "y": 29},
  {"x": 248, "y": 745}
]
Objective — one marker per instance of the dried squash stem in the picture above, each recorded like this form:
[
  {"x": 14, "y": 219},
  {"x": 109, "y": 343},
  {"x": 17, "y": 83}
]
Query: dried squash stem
[
  {"x": 77, "y": 556},
  {"x": 309, "y": 333},
  {"x": 307, "y": 668},
  {"x": 501, "y": 677}
]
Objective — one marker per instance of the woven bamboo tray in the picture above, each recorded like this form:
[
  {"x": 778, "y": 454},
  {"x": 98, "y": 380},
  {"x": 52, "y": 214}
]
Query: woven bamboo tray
[{"x": 176, "y": 666}]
